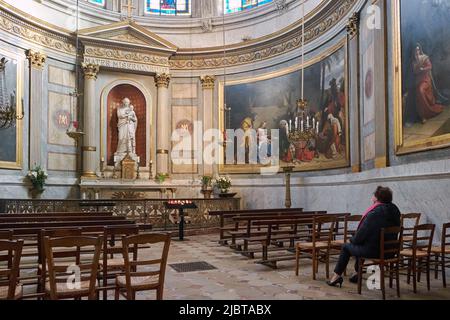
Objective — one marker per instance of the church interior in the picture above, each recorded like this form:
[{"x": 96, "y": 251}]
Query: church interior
[{"x": 224, "y": 149}]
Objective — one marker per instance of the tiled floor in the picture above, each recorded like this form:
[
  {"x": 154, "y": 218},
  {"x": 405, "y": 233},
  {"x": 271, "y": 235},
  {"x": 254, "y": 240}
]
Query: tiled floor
[{"x": 239, "y": 278}]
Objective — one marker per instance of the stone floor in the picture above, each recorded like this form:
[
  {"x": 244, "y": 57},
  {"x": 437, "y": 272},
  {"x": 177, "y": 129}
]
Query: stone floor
[{"x": 239, "y": 278}]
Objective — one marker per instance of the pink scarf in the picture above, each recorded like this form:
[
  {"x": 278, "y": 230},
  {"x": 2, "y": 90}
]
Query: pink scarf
[{"x": 376, "y": 204}]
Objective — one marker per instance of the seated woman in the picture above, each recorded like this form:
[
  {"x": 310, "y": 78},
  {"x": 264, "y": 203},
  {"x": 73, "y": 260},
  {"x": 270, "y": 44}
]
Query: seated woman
[{"x": 366, "y": 242}]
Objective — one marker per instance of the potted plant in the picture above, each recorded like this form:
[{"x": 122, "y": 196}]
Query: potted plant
[
  {"x": 223, "y": 184},
  {"x": 206, "y": 182},
  {"x": 37, "y": 177}
]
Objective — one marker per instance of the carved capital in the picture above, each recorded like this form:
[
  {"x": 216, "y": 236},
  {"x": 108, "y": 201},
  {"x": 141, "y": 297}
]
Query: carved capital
[
  {"x": 90, "y": 70},
  {"x": 353, "y": 25},
  {"x": 208, "y": 82},
  {"x": 37, "y": 59},
  {"x": 3, "y": 63},
  {"x": 162, "y": 80}
]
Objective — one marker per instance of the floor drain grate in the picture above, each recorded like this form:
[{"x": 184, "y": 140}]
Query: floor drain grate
[{"x": 192, "y": 266}]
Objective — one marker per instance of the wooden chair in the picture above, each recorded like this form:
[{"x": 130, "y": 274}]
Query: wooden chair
[
  {"x": 389, "y": 259},
  {"x": 441, "y": 253},
  {"x": 110, "y": 247},
  {"x": 323, "y": 230},
  {"x": 59, "y": 285},
  {"x": 10, "y": 254},
  {"x": 350, "y": 228},
  {"x": 42, "y": 266},
  {"x": 135, "y": 280},
  {"x": 420, "y": 251},
  {"x": 408, "y": 222}
]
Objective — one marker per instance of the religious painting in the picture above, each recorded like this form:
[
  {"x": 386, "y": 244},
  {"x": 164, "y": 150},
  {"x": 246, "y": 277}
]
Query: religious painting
[
  {"x": 127, "y": 119},
  {"x": 59, "y": 119},
  {"x": 311, "y": 137},
  {"x": 11, "y": 104},
  {"x": 183, "y": 119},
  {"x": 421, "y": 75}
]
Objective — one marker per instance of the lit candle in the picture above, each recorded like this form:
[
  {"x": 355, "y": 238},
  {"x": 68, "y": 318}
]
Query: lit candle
[
  {"x": 103, "y": 159},
  {"x": 301, "y": 124},
  {"x": 307, "y": 122},
  {"x": 296, "y": 123},
  {"x": 317, "y": 126},
  {"x": 290, "y": 125},
  {"x": 314, "y": 123}
]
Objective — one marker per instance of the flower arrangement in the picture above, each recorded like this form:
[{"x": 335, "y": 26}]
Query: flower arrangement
[
  {"x": 206, "y": 182},
  {"x": 223, "y": 184},
  {"x": 161, "y": 177},
  {"x": 37, "y": 177}
]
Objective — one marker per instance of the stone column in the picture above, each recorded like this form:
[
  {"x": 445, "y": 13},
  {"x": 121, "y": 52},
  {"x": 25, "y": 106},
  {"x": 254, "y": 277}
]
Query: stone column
[
  {"x": 89, "y": 126},
  {"x": 208, "y": 103},
  {"x": 163, "y": 124},
  {"x": 37, "y": 135}
]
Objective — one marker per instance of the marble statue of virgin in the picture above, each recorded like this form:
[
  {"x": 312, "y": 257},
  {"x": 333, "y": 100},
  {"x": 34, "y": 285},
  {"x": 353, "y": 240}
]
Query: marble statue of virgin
[{"x": 126, "y": 125}]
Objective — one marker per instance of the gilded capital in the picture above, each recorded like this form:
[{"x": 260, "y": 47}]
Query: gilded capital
[
  {"x": 90, "y": 70},
  {"x": 353, "y": 25},
  {"x": 162, "y": 80},
  {"x": 37, "y": 59},
  {"x": 208, "y": 82}
]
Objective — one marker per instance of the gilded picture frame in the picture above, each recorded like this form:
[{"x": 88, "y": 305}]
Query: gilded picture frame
[
  {"x": 403, "y": 147},
  {"x": 18, "y": 61},
  {"x": 256, "y": 168}
]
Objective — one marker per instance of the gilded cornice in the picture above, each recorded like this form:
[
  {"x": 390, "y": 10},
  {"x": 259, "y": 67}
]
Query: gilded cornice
[
  {"x": 36, "y": 35},
  {"x": 184, "y": 59},
  {"x": 125, "y": 55},
  {"x": 272, "y": 48}
]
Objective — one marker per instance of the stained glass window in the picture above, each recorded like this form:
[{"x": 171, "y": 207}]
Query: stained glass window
[
  {"x": 98, "y": 2},
  {"x": 168, "y": 7},
  {"x": 239, "y": 5}
]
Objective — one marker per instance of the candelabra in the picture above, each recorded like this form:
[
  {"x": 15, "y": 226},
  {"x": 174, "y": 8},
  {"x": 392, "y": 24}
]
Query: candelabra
[
  {"x": 138, "y": 174},
  {"x": 304, "y": 126},
  {"x": 150, "y": 170},
  {"x": 102, "y": 168}
]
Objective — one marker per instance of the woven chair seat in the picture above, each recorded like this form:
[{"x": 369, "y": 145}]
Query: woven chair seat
[
  {"x": 439, "y": 250},
  {"x": 63, "y": 289},
  {"x": 139, "y": 282},
  {"x": 409, "y": 253},
  {"x": 310, "y": 245},
  {"x": 17, "y": 293}
]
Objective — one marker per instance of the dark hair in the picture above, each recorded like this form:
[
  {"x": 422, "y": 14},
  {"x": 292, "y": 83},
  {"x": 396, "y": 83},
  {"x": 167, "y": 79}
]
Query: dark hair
[{"x": 383, "y": 194}]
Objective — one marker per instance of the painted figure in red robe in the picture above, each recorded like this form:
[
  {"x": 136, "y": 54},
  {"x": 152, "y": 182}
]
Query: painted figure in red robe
[{"x": 427, "y": 106}]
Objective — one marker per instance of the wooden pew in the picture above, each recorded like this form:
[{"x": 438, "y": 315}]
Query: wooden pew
[
  {"x": 248, "y": 220},
  {"x": 56, "y": 214},
  {"x": 229, "y": 214},
  {"x": 298, "y": 229}
]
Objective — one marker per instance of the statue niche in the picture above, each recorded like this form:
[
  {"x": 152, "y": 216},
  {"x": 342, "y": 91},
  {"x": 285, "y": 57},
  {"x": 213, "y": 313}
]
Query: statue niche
[{"x": 126, "y": 130}]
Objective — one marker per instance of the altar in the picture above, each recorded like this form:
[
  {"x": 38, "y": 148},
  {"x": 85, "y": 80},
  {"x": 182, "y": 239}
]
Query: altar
[{"x": 126, "y": 189}]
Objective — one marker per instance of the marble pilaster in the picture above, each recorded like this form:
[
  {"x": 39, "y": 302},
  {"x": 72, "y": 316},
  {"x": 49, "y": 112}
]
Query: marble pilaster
[
  {"x": 208, "y": 103},
  {"x": 162, "y": 82},
  {"x": 89, "y": 140},
  {"x": 36, "y": 65}
]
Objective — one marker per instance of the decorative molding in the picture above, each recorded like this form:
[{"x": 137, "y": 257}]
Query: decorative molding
[
  {"x": 207, "y": 25},
  {"x": 207, "y": 82},
  {"x": 37, "y": 59},
  {"x": 125, "y": 55},
  {"x": 24, "y": 30},
  {"x": 89, "y": 149},
  {"x": 162, "y": 151},
  {"x": 281, "y": 5},
  {"x": 353, "y": 25},
  {"x": 276, "y": 47},
  {"x": 90, "y": 70},
  {"x": 162, "y": 80}
]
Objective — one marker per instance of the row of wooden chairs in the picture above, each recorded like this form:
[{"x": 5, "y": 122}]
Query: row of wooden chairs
[
  {"x": 69, "y": 251},
  {"x": 411, "y": 249}
]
